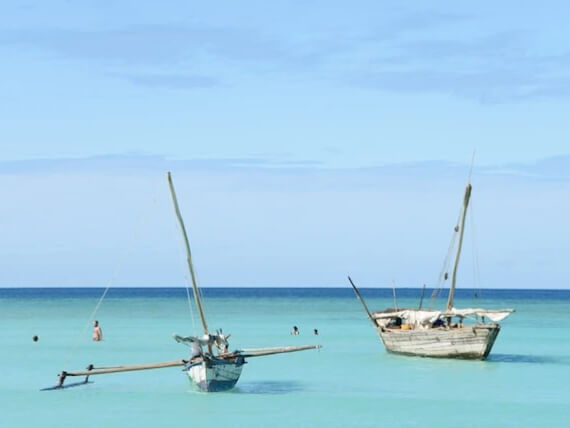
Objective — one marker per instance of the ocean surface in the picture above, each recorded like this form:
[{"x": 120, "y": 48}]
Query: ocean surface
[{"x": 351, "y": 381}]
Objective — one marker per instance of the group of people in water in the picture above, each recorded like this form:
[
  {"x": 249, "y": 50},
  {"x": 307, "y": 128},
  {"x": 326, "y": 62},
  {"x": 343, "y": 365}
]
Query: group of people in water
[
  {"x": 295, "y": 331},
  {"x": 98, "y": 334}
]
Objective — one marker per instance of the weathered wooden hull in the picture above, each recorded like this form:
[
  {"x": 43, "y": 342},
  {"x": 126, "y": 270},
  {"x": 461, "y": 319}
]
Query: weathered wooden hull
[
  {"x": 469, "y": 342},
  {"x": 215, "y": 375}
]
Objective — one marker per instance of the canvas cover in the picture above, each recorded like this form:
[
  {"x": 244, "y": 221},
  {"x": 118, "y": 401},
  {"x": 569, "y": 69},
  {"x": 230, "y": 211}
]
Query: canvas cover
[{"x": 418, "y": 317}]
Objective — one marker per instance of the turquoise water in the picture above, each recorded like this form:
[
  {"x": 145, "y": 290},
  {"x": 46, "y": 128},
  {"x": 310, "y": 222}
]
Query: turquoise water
[{"x": 352, "y": 381}]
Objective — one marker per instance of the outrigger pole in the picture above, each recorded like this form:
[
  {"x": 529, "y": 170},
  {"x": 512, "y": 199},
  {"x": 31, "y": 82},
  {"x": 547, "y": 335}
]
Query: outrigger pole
[
  {"x": 91, "y": 371},
  {"x": 261, "y": 352}
]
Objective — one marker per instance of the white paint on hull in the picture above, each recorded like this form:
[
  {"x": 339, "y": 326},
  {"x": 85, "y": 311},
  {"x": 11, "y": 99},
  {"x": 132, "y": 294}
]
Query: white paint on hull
[
  {"x": 469, "y": 342},
  {"x": 215, "y": 376}
]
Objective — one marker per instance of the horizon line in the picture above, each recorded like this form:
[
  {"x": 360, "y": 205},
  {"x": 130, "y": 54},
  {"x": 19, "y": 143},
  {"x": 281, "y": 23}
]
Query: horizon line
[{"x": 274, "y": 287}]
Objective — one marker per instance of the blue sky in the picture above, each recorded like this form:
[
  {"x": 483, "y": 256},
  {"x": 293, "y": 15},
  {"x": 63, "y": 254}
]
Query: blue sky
[{"x": 309, "y": 140}]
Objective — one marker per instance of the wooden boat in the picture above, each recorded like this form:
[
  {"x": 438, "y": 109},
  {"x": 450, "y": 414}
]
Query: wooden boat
[
  {"x": 439, "y": 334},
  {"x": 211, "y": 367}
]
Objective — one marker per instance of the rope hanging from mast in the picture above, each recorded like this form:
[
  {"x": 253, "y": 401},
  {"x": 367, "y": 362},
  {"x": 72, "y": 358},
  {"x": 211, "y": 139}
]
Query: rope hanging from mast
[
  {"x": 444, "y": 272},
  {"x": 182, "y": 261},
  {"x": 475, "y": 254},
  {"x": 457, "y": 233}
]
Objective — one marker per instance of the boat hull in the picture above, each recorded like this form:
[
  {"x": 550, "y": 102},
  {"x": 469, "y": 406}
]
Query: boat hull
[
  {"x": 214, "y": 375},
  {"x": 469, "y": 342}
]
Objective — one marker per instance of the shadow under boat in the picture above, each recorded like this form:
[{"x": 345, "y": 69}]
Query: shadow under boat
[
  {"x": 528, "y": 359},
  {"x": 268, "y": 387}
]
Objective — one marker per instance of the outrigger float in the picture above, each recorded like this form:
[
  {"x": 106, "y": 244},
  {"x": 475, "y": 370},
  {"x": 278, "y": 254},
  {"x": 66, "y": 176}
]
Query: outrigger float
[{"x": 211, "y": 366}]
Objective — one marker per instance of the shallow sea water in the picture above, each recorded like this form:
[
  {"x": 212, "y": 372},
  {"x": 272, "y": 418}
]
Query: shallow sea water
[{"x": 351, "y": 381}]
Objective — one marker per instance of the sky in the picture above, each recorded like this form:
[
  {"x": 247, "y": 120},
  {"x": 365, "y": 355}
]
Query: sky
[{"x": 309, "y": 140}]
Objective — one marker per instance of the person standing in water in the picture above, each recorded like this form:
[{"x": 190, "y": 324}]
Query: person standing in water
[{"x": 97, "y": 333}]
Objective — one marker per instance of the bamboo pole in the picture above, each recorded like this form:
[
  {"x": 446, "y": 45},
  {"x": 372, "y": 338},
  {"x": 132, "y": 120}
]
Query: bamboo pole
[{"x": 188, "y": 257}]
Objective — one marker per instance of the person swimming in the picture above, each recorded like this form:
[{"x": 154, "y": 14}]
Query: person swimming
[
  {"x": 97, "y": 332},
  {"x": 295, "y": 331}
]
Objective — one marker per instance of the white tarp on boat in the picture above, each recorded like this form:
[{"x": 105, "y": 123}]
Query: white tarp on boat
[
  {"x": 423, "y": 317},
  {"x": 412, "y": 316},
  {"x": 493, "y": 315}
]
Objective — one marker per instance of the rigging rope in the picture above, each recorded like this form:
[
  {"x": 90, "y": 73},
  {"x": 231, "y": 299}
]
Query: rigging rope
[
  {"x": 190, "y": 304},
  {"x": 446, "y": 262},
  {"x": 201, "y": 294},
  {"x": 184, "y": 265},
  {"x": 443, "y": 274},
  {"x": 475, "y": 253},
  {"x": 116, "y": 270}
]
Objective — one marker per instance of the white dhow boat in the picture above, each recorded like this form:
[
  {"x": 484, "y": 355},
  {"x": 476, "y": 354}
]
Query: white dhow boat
[{"x": 449, "y": 333}]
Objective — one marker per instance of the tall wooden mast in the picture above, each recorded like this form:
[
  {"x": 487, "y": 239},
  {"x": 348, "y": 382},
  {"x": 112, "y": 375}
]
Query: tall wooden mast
[
  {"x": 461, "y": 229},
  {"x": 188, "y": 255}
]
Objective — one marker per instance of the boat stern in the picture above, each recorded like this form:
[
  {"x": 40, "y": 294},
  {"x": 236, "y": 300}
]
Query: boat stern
[
  {"x": 469, "y": 342},
  {"x": 215, "y": 375}
]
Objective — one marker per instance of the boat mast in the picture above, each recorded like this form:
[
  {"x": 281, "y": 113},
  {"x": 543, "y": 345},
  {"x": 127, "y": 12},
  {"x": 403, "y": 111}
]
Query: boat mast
[
  {"x": 188, "y": 255},
  {"x": 461, "y": 229}
]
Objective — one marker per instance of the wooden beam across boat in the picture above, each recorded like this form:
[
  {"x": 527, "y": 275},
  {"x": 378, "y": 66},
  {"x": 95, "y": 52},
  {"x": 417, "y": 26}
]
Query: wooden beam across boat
[{"x": 260, "y": 352}]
